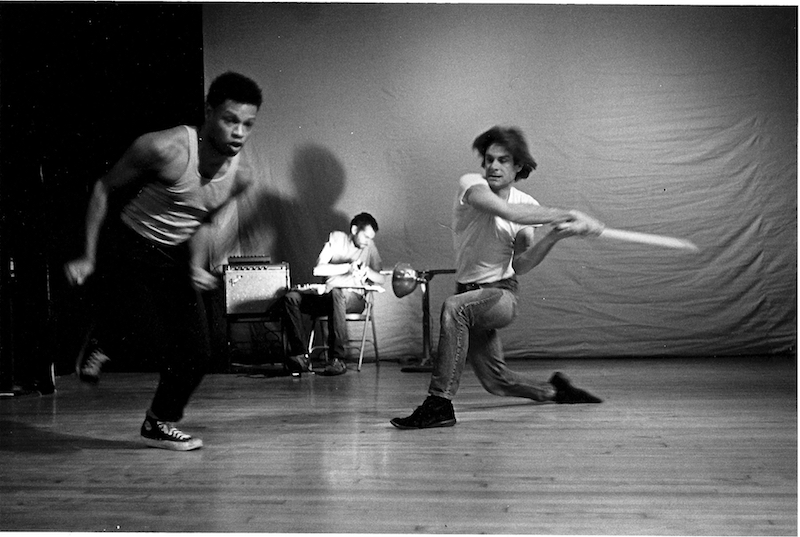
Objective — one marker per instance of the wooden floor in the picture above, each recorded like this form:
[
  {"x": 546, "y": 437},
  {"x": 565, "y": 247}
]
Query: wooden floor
[{"x": 680, "y": 447}]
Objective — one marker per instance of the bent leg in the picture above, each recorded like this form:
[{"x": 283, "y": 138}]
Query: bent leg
[
  {"x": 486, "y": 358},
  {"x": 296, "y": 336},
  {"x": 342, "y": 303},
  {"x": 461, "y": 316},
  {"x": 187, "y": 354}
]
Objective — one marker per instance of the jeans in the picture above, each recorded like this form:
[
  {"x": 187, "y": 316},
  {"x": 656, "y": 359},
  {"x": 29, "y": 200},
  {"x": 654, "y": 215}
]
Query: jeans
[
  {"x": 469, "y": 324},
  {"x": 336, "y": 305},
  {"x": 151, "y": 305}
]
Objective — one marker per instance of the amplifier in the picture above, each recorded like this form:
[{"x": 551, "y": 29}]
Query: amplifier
[
  {"x": 253, "y": 288},
  {"x": 249, "y": 260}
]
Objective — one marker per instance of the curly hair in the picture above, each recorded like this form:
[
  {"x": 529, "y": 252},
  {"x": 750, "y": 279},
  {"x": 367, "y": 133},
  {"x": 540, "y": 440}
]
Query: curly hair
[
  {"x": 514, "y": 141},
  {"x": 235, "y": 87},
  {"x": 363, "y": 220}
]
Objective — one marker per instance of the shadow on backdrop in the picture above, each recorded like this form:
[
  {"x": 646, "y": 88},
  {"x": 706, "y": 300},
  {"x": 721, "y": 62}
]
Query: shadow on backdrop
[
  {"x": 287, "y": 229},
  {"x": 295, "y": 229}
]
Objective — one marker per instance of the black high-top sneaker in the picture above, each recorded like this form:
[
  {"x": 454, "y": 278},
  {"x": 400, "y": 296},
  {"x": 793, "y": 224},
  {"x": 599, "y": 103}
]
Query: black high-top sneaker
[
  {"x": 434, "y": 412},
  {"x": 90, "y": 361},
  {"x": 566, "y": 393},
  {"x": 163, "y": 435}
]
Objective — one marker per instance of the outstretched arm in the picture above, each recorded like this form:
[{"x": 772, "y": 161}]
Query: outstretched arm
[{"x": 482, "y": 198}]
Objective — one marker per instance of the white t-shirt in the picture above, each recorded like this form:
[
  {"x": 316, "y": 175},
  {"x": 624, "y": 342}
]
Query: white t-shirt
[
  {"x": 484, "y": 243},
  {"x": 341, "y": 249}
]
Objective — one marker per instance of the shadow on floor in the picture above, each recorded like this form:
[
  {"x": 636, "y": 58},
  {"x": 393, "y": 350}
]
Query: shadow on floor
[{"x": 23, "y": 438}]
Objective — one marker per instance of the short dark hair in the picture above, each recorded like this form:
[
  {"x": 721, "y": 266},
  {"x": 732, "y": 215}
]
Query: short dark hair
[
  {"x": 363, "y": 220},
  {"x": 514, "y": 141},
  {"x": 235, "y": 87}
]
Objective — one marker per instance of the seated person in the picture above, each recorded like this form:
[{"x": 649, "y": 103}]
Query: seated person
[{"x": 345, "y": 260}]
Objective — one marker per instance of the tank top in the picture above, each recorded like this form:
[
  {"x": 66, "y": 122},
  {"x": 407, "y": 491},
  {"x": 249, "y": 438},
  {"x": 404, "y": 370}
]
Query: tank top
[{"x": 170, "y": 214}]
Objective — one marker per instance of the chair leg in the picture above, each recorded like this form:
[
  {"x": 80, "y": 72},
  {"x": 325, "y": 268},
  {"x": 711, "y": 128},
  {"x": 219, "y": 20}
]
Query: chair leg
[
  {"x": 367, "y": 318},
  {"x": 323, "y": 347},
  {"x": 311, "y": 338},
  {"x": 375, "y": 340}
]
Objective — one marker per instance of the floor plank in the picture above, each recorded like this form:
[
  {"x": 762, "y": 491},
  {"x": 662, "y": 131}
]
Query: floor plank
[{"x": 700, "y": 446}]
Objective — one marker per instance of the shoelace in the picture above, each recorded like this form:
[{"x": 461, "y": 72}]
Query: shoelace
[
  {"x": 172, "y": 432},
  {"x": 95, "y": 361}
]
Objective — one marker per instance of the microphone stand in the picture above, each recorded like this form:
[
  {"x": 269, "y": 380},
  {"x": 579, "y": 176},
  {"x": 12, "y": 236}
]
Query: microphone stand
[{"x": 425, "y": 365}]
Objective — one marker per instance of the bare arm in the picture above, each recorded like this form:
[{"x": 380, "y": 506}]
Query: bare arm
[
  {"x": 243, "y": 182},
  {"x": 95, "y": 216},
  {"x": 482, "y": 198},
  {"x": 374, "y": 276},
  {"x": 202, "y": 279},
  {"x": 528, "y": 254},
  {"x": 361, "y": 272},
  {"x": 146, "y": 155},
  {"x": 364, "y": 273},
  {"x": 325, "y": 268},
  {"x": 200, "y": 242}
]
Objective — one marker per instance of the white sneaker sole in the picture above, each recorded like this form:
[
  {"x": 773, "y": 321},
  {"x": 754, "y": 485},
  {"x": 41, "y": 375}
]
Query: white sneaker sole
[{"x": 194, "y": 443}]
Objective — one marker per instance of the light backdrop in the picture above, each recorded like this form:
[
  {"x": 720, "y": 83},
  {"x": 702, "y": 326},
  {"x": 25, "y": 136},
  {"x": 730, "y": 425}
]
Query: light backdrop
[{"x": 671, "y": 120}]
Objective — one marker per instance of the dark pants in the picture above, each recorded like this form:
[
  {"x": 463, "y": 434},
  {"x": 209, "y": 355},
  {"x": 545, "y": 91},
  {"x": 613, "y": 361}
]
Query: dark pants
[
  {"x": 150, "y": 303},
  {"x": 335, "y": 304}
]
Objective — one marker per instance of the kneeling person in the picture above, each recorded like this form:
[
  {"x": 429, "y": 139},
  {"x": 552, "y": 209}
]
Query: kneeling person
[{"x": 494, "y": 223}]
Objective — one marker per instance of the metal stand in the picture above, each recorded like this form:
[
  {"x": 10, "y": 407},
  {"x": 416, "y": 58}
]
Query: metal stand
[{"x": 425, "y": 364}]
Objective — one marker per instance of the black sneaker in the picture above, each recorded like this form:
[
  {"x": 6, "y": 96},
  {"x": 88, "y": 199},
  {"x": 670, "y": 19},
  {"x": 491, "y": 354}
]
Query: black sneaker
[
  {"x": 90, "y": 361},
  {"x": 566, "y": 393},
  {"x": 336, "y": 367},
  {"x": 160, "y": 434},
  {"x": 297, "y": 363},
  {"x": 434, "y": 412}
]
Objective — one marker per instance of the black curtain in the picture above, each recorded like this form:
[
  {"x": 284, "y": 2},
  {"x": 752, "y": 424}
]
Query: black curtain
[{"x": 78, "y": 83}]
